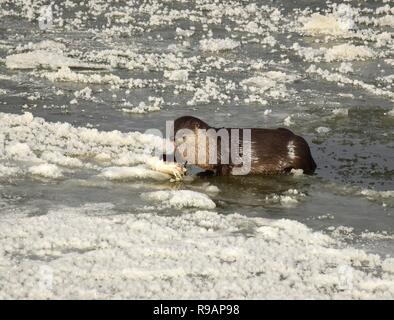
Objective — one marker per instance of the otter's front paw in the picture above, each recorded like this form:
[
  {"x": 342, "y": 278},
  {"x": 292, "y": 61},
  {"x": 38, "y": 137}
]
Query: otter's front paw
[{"x": 178, "y": 171}]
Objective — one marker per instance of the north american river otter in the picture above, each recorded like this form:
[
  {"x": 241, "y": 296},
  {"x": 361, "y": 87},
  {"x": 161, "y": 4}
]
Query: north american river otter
[{"x": 232, "y": 151}]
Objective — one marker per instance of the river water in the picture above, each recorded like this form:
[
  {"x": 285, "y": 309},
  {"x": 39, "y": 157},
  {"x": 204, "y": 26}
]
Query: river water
[{"x": 83, "y": 215}]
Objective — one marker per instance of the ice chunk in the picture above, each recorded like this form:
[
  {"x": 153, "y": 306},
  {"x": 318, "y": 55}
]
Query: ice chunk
[
  {"x": 322, "y": 130},
  {"x": 180, "y": 199},
  {"x": 214, "y": 45},
  {"x": 46, "y": 170},
  {"x": 45, "y": 59},
  {"x": 177, "y": 75},
  {"x": 132, "y": 173}
]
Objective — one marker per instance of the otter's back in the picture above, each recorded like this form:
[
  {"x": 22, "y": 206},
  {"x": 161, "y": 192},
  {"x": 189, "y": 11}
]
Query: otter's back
[{"x": 278, "y": 150}]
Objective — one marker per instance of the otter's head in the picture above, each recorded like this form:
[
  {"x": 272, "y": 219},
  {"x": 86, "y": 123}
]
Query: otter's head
[
  {"x": 189, "y": 122},
  {"x": 185, "y": 129},
  {"x": 187, "y": 138}
]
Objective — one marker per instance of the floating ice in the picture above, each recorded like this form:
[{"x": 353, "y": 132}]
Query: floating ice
[
  {"x": 180, "y": 199},
  {"x": 132, "y": 173},
  {"x": 92, "y": 251},
  {"x": 373, "y": 194},
  {"x": 46, "y": 170},
  {"x": 66, "y": 74},
  {"x": 348, "y": 52},
  {"x": 297, "y": 172},
  {"x": 19, "y": 151},
  {"x": 387, "y": 20},
  {"x": 47, "y": 45},
  {"x": 45, "y": 54},
  {"x": 58, "y": 158},
  {"x": 288, "y": 121},
  {"x": 390, "y": 113},
  {"x": 342, "y": 79},
  {"x": 85, "y": 94},
  {"x": 270, "y": 83},
  {"x": 339, "y": 22},
  {"x": 177, "y": 75},
  {"x": 184, "y": 33},
  {"x": 39, "y": 58},
  {"x": 154, "y": 104},
  {"x": 289, "y": 198},
  {"x": 342, "y": 52},
  {"x": 218, "y": 44},
  {"x": 6, "y": 171},
  {"x": 341, "y": 112},
  {"x": 322, "y": 130},
  {"x": 143, "y": 108},
  {"x": 345, "y": 67}
]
